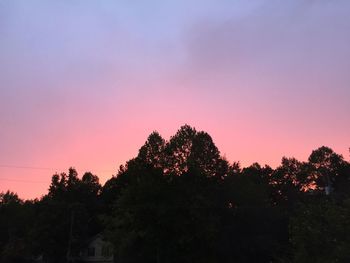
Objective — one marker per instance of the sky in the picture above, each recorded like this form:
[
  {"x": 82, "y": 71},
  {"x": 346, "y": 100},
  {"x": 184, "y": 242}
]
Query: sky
[{"x": 83, "y": 83}]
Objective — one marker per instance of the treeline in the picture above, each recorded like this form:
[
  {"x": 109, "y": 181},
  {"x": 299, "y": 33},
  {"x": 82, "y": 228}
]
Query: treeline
[{"x": 180, "y": 201}]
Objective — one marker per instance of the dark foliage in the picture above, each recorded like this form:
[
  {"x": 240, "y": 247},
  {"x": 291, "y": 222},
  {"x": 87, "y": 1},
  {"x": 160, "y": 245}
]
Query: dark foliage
[{"x": 180, "y": 201}]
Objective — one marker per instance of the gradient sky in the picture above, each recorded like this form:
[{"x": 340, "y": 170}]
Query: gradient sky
[{"x": 83, "y": 83}]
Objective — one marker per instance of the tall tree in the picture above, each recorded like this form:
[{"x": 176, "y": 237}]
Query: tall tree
[
  {"x": 67, "y": 215},
  {"x": 327, "y": 166},
  {"x": 191, "y": 149},
  {"x": 152, "y": 152},
  {"x": 289, "y": 181}
]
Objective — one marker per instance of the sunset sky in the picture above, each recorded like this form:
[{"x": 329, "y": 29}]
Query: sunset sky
[{"x": 83, "y": 83}]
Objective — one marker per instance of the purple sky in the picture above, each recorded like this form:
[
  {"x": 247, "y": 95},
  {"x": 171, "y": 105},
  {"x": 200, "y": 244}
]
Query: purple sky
[{"x": 83, "y": 83}]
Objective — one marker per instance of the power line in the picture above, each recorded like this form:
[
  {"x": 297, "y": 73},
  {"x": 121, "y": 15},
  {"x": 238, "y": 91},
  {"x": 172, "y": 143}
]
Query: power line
[
  {"x": 22, "y": 181},
  {"x": 50, "y": 169},
  {"x": 25, "y": 167}
]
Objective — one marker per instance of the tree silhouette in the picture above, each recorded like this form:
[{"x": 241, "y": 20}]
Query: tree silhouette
[
  {"x": 326, "y": 166},
  {"x": 181, "y": 201}
]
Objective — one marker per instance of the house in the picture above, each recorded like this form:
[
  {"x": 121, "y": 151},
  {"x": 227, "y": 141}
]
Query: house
[{"x": 97, "y": 251}]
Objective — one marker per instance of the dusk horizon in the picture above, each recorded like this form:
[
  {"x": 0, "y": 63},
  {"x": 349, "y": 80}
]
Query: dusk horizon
[
  {"x": 211, "y": 131},
  {"x": 83, "y": 83},
  {"x": 46, "y": 172}
]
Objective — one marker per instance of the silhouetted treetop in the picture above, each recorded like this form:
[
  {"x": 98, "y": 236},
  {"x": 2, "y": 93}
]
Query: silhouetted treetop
[
  {"x": 9, "y": 198},
  {"x": 181, "y": 201},
  {"x": 189, "y": 149},
  {"x": 152, "y": 152},
  {"x": 327, "y": 166}
]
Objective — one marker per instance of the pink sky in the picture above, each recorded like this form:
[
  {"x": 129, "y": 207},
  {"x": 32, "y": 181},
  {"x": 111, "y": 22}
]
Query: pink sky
[{"x": 84, "y": 83}]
